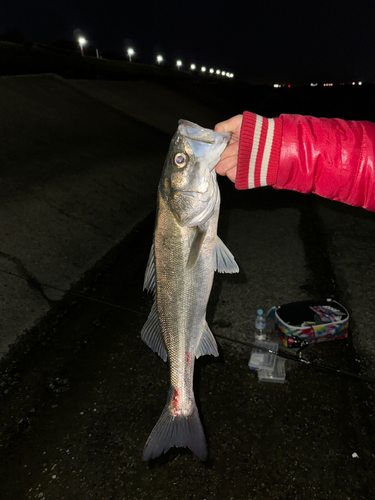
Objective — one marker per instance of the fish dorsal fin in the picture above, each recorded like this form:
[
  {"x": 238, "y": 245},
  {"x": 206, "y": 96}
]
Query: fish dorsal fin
[
  {"x": 196, "y": 247},
  {"x": 207, "y": 344},
  {"x": 152, "y": 335},
  {"x": 223, "y": 259},
  {"x": 150, "y": 276}
]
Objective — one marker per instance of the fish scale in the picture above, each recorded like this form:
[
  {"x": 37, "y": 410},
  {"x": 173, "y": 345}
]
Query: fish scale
[
  {"x": 185, "y": 253},
  {"x": 183, "y": 290}
]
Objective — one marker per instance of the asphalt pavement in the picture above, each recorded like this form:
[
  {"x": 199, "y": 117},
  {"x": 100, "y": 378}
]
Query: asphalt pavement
[
  {"x": 80, "y": 392},
  {"x": 83, "y": 391}
]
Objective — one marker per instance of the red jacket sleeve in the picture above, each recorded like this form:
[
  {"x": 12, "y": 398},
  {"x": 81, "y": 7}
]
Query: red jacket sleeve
[{"x": 332, "y": 158}]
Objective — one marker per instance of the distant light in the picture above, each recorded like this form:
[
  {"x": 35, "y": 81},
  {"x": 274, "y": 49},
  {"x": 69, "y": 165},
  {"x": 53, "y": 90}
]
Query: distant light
[
  {"x": 327, "y": 84},
  {"x": 192, "y": 67},
  {"x": 359, "y": 83},
  {"x": 231, "y": 75},
  {"x": 227, "y": 74},
  {"x": 277, "y": 85},
  {"x": 159, "y": 59},
  {"x": 212, "y": 70},
  {"x": 179, "y": 64},
  {"x": 223, "y": 73},
  {"x": 203, "y": 69},
  {"x": 313, "y": 84},
  {"x": 218, "y": 72},
  {"x": 130, "y": 53},
  {"x": 81, "y": 42}
]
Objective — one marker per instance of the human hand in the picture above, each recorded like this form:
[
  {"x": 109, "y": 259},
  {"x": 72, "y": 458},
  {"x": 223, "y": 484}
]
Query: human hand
[{"x": 228, "y": 161}]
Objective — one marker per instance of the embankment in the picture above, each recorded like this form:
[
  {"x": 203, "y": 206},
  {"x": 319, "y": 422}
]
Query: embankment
[{"x": 80, "y": 163}]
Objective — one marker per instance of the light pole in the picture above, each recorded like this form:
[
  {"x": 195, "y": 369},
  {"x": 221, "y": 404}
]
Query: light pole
[{"x": 81, "y": 43}]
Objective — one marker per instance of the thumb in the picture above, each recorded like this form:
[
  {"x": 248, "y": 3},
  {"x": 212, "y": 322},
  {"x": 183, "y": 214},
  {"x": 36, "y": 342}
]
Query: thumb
[
  {"x": 219, "y": 127},
  {"x": 232, "y": 125}
]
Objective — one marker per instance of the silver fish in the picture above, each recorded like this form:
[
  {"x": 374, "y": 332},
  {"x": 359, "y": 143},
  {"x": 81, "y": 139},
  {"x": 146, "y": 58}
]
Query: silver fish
[{"x": 185, "y": 253}]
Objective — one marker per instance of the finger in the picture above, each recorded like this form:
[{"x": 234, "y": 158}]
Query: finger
[
  {"x": 224, "y": 166},
  {"x": 230, "y": 125},
  {"x": 229, "y": 172},
  {"x": 231, "y": 150}
]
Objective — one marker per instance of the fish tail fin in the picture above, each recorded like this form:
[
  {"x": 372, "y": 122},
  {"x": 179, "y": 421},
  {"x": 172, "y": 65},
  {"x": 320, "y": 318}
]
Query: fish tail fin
[{"x": 181, "y": 431}]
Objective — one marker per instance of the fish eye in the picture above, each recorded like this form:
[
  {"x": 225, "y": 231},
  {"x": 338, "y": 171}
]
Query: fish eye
[{"x": 180, "y": 160}]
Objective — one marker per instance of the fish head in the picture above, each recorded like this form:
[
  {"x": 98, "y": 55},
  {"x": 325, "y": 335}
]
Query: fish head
[{"x": 189, "y": 179}]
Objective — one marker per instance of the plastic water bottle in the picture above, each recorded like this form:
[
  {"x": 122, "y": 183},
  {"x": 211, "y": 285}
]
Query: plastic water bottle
[{"x": 260, "y": 326}]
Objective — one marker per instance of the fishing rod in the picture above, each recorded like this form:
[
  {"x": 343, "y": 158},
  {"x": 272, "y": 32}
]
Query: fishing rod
[
  {"x": 299, "y": 359},
  {"x": 291, "y": 357}
]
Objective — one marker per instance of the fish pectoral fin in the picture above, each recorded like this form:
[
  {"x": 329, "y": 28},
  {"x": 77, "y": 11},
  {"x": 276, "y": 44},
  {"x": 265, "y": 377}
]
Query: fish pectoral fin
[
  {"x": 150, "y": 276},
  {"x": 223, "y": 259},
  {"x": 196, "y": 247},
  {"x": 207, "y": 344},
  {"x": 152, "y": 335}
]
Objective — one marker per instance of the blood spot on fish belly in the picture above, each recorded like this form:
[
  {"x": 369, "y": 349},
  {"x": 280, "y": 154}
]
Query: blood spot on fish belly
[{"x": 188, "y": 358}]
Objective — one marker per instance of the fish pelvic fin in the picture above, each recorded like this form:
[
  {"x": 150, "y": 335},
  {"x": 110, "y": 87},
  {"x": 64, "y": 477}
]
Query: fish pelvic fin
[
  {"x": 207, "y": 344},
  {"x": 152, "y": 335},
  {"x": 223, "y": 259},
  {"x": 180, "y": 431},
  {"x": 150, "y": 274}
]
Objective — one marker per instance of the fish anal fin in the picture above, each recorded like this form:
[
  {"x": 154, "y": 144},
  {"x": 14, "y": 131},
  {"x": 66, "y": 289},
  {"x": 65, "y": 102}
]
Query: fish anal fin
[
  {"x": 207, "y": 344},
  {"x": 152, "y": 335},
  {"x": 223, "y": 259}
]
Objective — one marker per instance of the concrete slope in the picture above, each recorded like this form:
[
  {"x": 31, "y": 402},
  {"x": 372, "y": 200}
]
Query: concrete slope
[
  {"x": 76, "y": 176},
  {"x": 149, "y": 102}
]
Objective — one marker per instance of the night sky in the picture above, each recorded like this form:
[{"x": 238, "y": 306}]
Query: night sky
[{"x": 263, "y": 41}]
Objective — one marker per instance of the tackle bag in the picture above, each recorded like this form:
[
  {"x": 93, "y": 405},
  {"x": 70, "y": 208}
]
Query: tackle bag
[{"x": 301, "y": 323}]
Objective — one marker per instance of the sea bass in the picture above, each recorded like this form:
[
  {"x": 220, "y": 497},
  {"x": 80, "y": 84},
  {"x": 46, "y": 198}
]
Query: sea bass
[{"x": 185, "y": 253}]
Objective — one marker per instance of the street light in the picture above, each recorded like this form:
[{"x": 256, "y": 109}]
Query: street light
[
  {"x": 178, "y": 64},
  {"x": 130, "y": 53},
  {"x": 159, "y": 59},
  {"x": 192, "y": 67},
  {"x": 81, "y": 42},
  {"x": 203, "y": 69}
]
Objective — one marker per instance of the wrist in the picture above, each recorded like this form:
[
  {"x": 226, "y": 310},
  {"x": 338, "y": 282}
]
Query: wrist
[{"x": 259, "y": 151}]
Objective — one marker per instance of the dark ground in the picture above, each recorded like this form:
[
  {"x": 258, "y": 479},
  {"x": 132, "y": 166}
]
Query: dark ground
[{"x": 82, "y": 392}]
